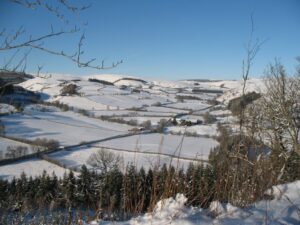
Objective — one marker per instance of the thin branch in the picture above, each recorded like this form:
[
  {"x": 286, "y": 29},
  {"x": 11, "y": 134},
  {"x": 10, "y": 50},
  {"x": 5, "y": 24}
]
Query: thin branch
[
  {"x": 23, "y": 60},
  {"x": 31, "y": 41},
  {"x": 251, "y": 51},
  {"x": 77, "y": 60},
  {"x": 239, "y": 156},
  {"x": 8, "y": 63},
  {"x": 34, "y": 4},
  {"x": 10, "y": 41}
]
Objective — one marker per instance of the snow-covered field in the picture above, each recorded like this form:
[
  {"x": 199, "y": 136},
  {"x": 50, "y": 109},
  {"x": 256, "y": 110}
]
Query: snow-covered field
[
  {"x": 165, "y": 109},
  {"x": 6, "y": 109},
  {"x": 68, "y": 128},
  {"x": 236, "y": 88},
  {"x": 202, "y": 130},
  {"x": 31, "y": 167},
  {"x": 5, "y": 143},
  {"x": 77, "y": 157},
  {"x": 127, "y": 98},
  {"x": 190, "y": 105},
  {"x": 143, "y": 150},
  {"x": 140, "y": 119},
  {"x": 185, "y": 147},
  {"x": 130, "y": 98}
]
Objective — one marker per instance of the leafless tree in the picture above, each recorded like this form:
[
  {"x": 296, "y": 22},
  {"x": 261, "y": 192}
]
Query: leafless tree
[
  {"x": 252, "y": 48},
  {"x": 241, "y": 145},
  {"x": 16, "y": 151},
  {"x": 278, "y": 110},
  {"x": 104, "y": 160}
]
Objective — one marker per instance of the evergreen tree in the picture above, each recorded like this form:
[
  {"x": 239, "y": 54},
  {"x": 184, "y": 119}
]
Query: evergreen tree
[
  {"x": 115, "y": 186},
  {"x": 161, "y": 180},
  {"x": 85, "y": 192},
  {"x": 141, "y": 190},
  {"x": 130, "y": 188},
  {"x": 292, "y": 170},
  {"x": 190, "y": 186},
  {"x": 30, "y": 194},
  {"x": 148, "y": 190},
  {"x": 180, "y": 181},
  {"x": 4, "y": 192},
  {"x": 69, "y": 185}
]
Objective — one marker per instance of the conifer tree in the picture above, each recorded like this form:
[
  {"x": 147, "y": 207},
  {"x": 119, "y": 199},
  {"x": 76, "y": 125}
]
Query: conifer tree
[
  {"x": 84, "y": 188},
  {"x": 141, "y": 190},
  {"x": 148, "y": 190}
]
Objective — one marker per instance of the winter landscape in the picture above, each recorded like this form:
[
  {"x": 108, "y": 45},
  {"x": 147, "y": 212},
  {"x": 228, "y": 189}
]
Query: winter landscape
[{"x": 109, "y": 147}]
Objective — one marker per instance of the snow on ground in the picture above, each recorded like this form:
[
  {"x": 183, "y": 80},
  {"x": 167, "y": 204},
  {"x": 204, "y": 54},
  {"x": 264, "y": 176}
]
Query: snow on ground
[
  {"x": 131, "y": 113},
  {"x": 221, "y": 84},
  {"x": 283, "y": 209},
  {"x": 120, "y": 80},
  {"x": 157, "y": 98},
  {"x": 232, "y": 120},
  {"x": 203, "y": 96},
  {"x": 131, "y": 83},
  {"x": 48, "y": 85},
  {"x": 236, "y": 89},
  {"x": 31, "y": 167},
  {"x": 192, "y": 147},
  {"x": 6, "y": 109},
  {"x": 96, "y": 96},
  {"x": 190, "y": 105},
  {"x": 190, "y": 117},
  {"x": 79, "y": 156},
  {"x": 170, "y": 84},
  {"x": 220, "y": 112},
  {"x": 68, "y": 128},
  {"x": 207, "y": 130},
  {"x": 127, "y": 101},
  {"x": 51, "y": 85},
  {"x": 83, "y": 103},
  {"x": 140, "y": 119},
  {"x": 165, "y": 109},
  {"x": 143, "y": 150},
  {"x": 5, "y": 142},
  {"x": 108, "y": 77}
]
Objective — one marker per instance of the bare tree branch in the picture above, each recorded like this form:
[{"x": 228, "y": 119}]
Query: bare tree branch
[
  {"x": 49, "y": 6},
  {"x": 252, "y": 48},
  {"x": 15, "y": 40},
  {"x": 8, "y": 44}
]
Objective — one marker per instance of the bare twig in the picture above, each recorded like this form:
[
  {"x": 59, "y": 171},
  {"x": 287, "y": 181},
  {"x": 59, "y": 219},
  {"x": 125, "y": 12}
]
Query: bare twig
[
  {"x": 11, "y": 41},
  {"x": 53, "y": 7}
]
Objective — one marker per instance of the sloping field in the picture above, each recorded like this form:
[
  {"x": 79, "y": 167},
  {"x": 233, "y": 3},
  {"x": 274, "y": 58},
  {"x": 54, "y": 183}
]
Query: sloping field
[
  {"x": 31, "y": 167},
  {"x": 190, "y": 147},
  {"x": 68, "y": 128}
]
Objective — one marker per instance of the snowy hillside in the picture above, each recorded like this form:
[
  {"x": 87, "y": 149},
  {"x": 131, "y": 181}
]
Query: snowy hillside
[
  {"x": 87, "y": 113},
  {"x": 145, "y": 123}
]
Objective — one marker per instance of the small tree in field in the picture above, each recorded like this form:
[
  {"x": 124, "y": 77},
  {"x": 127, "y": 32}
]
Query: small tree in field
[
  {"x": 70, "y": 89},
  {"x": 104, "y": 161}
]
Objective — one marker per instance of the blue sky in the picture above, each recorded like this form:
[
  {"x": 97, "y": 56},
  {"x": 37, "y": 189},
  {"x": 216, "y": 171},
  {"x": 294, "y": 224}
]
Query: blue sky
[{"x": 167, "y": 39}]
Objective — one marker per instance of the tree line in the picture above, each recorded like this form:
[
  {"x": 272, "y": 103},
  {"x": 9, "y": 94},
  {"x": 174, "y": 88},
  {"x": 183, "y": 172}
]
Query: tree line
[
  {"x": 114, "y": 193},
  {"x": 117, "y": 195}
]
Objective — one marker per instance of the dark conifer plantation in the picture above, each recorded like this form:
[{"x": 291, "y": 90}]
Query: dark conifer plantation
[{"x": 117, "y": 195}]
